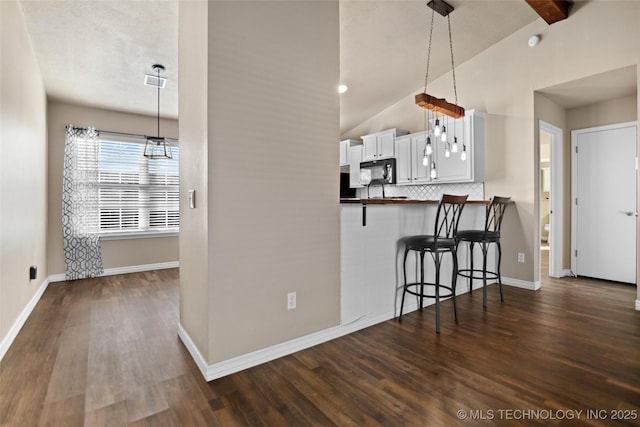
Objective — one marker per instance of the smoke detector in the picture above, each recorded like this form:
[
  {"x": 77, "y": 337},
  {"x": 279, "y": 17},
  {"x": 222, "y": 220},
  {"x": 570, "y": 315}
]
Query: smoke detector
[{"x": 534, "y": 40}]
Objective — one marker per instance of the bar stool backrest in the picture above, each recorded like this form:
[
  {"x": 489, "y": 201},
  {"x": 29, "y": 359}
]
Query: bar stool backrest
[
  {"x": 448, "y": 216},
  {"x": 495, "y": 212}
]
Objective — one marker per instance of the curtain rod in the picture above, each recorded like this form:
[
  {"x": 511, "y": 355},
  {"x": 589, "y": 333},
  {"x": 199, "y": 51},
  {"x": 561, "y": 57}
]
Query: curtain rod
[{"x": 115, "y": 133}]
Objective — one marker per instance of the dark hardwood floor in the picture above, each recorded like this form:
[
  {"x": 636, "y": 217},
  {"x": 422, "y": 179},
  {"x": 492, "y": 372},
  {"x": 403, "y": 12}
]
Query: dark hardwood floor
[{"x": 105, "y": 352}]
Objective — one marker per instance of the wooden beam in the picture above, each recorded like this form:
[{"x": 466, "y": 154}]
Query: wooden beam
[
  {"x": 439, "y": 105},
  {"x": 550, "y": 10}
]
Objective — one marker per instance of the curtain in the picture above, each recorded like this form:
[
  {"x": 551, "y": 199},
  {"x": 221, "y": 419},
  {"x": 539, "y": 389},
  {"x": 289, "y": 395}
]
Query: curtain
[{"x": 80, "y": 227}]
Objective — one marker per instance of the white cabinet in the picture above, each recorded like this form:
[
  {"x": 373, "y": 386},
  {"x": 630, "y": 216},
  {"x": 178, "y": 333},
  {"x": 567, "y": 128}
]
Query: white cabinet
[
  {"x": 355, "y": 157},
  {"x": 409, "y": 165},
  {"x": 344, "y": 150},
  {"x": 380, "y": 145},
  {"x": 470, "y": 133}
]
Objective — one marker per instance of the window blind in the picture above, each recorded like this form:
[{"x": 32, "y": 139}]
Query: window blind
[{"x": 136, "y": 194}]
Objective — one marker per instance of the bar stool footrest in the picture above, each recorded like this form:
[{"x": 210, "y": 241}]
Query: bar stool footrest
[
  {"x": 471, "y": 274},
  {"x": 418, "y": 294}
]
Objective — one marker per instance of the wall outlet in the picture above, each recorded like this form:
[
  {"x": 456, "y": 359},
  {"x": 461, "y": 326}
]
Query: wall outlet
[
  {"x": 291, "y": 300},
  {"x": 521, "y": 257},
  {"x": 33, "y": 272}
]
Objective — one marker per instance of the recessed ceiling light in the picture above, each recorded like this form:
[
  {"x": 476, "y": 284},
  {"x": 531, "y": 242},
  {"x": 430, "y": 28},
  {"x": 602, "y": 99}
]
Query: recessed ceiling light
[{"x": 342, "y": 88}]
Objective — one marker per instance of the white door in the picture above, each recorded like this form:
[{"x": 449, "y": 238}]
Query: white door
[{"x": 604, "y": 175}]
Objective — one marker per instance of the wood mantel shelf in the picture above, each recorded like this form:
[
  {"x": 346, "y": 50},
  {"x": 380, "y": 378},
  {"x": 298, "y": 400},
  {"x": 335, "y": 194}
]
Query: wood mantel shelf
[{"x": 439, "y": 105}]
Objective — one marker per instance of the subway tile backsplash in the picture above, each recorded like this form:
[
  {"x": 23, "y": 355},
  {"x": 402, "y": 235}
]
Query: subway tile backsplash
[{"x": 475, "y": 190}]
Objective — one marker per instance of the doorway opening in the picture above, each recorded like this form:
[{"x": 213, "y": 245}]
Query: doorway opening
[{"x": 551, "y": 215}]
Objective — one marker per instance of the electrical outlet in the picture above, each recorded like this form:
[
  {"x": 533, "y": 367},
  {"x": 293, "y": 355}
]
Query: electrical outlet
[
  {"x": 521, "y": 257},
  {"x": 291, "y": 300}
]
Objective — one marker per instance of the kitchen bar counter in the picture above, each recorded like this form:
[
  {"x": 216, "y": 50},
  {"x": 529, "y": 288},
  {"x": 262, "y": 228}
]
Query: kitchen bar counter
[
  {"x": 372, "y": 249},
  {"x": 402, "y": 200}
]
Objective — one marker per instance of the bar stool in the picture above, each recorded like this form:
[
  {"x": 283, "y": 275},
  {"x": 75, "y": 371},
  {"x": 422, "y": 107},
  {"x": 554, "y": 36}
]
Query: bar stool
[
  {"x": 490, "y": 234},
  {"x": 440, "y": 242}
]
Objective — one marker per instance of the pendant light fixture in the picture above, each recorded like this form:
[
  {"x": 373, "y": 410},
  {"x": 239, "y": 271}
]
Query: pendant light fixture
[
  {"x": 158, "y": 147},
  {"x": 439, "y": 107}
]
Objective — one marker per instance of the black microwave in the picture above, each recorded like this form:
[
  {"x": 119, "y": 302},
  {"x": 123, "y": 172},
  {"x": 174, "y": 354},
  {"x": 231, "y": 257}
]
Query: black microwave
[{"x": 384, "y": 170}]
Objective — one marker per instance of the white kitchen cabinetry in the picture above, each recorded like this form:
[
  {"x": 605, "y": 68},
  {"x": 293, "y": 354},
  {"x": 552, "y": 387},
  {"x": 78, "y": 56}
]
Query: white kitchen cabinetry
[
  {"x": 355, "y": 157},
  {"x": 380, "y": 145},
  {"x": 344, "y": 150},
  {"x": 409, "y": 154},
  {"x": 470, "y": 133}
]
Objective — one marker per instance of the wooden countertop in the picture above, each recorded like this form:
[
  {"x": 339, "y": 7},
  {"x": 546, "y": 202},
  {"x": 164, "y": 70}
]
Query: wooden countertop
[{"x": 402, "y": 201}]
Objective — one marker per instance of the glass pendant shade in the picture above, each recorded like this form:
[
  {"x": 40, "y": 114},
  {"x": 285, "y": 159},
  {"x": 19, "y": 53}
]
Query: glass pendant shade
[
  {"x": 428, "y": 149},
  {"x": 434, "y": 173},
  {"x": 463, "y": 155},
  {"x": 454, "y": 147},
  {"x": 157, "y": 148},
  {"x": 436, "y": 128},
  {"x": 443, "y": 136}
]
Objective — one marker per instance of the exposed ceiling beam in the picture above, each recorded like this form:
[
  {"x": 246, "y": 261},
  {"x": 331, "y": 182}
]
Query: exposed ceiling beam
[{"x": 551, "y": 10}]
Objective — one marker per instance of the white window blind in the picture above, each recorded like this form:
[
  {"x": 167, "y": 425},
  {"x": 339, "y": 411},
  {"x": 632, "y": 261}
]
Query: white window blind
[{"x": 136, "y": 194}]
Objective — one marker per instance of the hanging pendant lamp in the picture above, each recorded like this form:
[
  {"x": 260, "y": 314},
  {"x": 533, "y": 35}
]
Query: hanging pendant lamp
[
  {"x": 429, "y": 102},
  {"x": 158, "y": 147}
]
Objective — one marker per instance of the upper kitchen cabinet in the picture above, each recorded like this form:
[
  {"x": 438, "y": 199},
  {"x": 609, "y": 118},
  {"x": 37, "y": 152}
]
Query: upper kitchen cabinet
[
  {"x": 344, "y": 150},
  {"x": 380, "y": 145},
  {"x": 355, "y": 157},
  {"x": 410, "y": 169},
  {"x": 470, "y": 133}
]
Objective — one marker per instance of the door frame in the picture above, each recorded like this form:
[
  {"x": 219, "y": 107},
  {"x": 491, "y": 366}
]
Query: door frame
[
  {"x": 574, "y": 185},
  {"x": 555, "y": 199}
]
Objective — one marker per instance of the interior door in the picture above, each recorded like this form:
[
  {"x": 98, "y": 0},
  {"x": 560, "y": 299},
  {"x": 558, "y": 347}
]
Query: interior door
[{"x": 605, "y": 188}]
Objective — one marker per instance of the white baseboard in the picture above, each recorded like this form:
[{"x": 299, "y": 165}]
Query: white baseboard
[
  {"x": 638, "y": 304},
  {"x": 22, "y": 318},
  {"x": 258, "y": 357},
  {"x": 125, "y": 270},
  {"x": 532, "y": 286},
  {"x": 245, "y": 361},
  {"x": 26, "y": 312}
]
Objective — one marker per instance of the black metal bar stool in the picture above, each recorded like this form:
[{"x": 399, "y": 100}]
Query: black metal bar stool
[
  {"x": 490, "y": 234},
  {"x": 440, "y": 242}
]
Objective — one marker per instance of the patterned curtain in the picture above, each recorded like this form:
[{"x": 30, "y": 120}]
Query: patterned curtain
[{"x": 80, "y": 227}]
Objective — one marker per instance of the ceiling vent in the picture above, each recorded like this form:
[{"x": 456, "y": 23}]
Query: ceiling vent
[{"x": 155, "y": 81}]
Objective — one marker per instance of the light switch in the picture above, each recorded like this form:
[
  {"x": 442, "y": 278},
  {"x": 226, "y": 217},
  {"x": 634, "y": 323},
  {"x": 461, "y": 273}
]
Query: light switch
[{"x": 192, "y": 199}]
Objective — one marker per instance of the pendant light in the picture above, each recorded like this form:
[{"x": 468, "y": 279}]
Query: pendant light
[
  {"x": 158, "y": 147},
  {"x": 424, "y": 100}
]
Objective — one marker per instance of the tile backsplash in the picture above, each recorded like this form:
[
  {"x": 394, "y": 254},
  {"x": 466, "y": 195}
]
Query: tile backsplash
[{"x": 475, "y": 190}]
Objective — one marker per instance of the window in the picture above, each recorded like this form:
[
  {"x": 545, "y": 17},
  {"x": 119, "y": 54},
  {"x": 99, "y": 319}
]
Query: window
[{"x": 137, "y": 195}]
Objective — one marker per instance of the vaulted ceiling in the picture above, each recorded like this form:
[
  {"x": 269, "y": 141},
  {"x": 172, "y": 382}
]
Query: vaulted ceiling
[{"x": 96, "y": 53}]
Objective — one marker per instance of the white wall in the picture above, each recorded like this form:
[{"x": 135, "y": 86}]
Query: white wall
[{"x": 23, "y": 170}]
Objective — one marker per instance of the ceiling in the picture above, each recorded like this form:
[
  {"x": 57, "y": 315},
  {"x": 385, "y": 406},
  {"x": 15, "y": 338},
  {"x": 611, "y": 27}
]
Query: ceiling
[
  {"x": 96, "y": 53},
  {"x": 599, "y": 87}
]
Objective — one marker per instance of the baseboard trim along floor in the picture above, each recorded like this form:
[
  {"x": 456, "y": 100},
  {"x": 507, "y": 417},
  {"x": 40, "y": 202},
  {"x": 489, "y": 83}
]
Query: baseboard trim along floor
[
  {"x": 236, "y": 364},
  {"x": 22, "y": 318},
  {"x": 26, "y": 312}
]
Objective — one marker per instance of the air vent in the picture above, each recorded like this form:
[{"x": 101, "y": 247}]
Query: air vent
[{"x": 155, "y": 81}]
